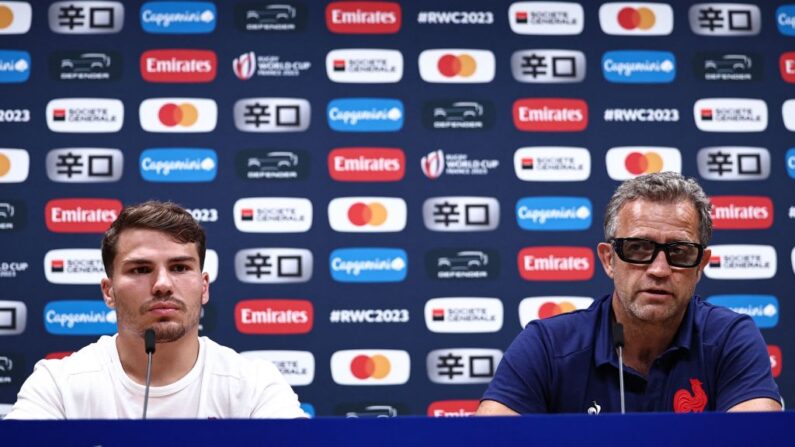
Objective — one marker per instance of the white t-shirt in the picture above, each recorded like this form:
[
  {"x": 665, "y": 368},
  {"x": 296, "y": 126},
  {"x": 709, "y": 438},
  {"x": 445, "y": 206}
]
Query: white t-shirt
[{"x": 91, "y": 384}]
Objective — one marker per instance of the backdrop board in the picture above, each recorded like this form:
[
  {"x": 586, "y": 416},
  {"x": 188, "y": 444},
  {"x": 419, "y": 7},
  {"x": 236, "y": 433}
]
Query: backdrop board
[{"x": 391, "y": 190}]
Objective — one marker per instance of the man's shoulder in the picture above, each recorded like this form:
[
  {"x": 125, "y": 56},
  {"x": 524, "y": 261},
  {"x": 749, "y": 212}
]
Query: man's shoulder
[
  {"x": 89, "y": 359},
  {"x": 570, "y": 332},
  {"x": 226, "y": 362},
  {"x": 715, "y": 322}
]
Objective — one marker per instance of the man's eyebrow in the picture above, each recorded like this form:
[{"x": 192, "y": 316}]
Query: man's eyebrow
[{"x": 183, "y": 259}]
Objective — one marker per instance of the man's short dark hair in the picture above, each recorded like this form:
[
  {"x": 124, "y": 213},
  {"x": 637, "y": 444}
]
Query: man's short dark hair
[
  {"x": 661, "y": 187},
  {"x": 166, "y": 217}
]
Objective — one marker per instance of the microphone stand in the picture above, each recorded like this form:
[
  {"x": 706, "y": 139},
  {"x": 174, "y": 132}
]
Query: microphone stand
[
  {"x": 618, "y": 343},
  {"x": 149, "y": 347}
]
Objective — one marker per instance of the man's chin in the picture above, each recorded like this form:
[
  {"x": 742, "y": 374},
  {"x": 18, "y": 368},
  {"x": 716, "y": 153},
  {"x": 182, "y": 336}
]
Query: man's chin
[{"x": 167, "y": 332}]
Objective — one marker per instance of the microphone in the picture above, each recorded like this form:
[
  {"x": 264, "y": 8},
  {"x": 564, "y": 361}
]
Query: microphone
[
  {"x": 618, "y": 344},
  {"x": 149, "y": 348}
]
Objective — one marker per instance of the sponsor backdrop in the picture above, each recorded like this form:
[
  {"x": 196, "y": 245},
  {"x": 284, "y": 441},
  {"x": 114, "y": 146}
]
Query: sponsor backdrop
[{"x": 391, "y": 190}]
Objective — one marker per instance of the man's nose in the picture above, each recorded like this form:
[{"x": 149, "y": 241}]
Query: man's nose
[
  {"x": 659, "y": 265},
  {"x": 163, "y": 284}
]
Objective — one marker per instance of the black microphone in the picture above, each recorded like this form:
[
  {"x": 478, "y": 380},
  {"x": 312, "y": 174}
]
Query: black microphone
[
  {"x": 149, "y": 347},
  {"x": 618, "y": 344}
]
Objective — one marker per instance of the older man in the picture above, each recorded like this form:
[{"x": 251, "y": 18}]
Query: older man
[
  {"x": 154, "y": 256},
  {"x": 681, "y": 354}
]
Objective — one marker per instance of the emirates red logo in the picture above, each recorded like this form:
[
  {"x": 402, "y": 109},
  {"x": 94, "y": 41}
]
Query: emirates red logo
[{"x": 687, "y": 402}]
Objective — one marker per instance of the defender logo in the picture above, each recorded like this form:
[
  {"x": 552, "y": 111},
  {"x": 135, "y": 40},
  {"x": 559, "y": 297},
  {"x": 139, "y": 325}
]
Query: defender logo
[
  {"x": 180, "y": 115},
  {"x": 270, "y": 17},
  {"x": 463, "y": 264},
  {"x": 728, "y": 66},
  {"x": 81, "y": 215},
  {"x": 85, "y": 115},
  {"x": 363, "y": 17},
  {"x": 178, "y": 17},
  {"x": 461, "y": 213},
  {"x": 263, "y": 164},
  {"x": 15, "y": 17},
  {"x": 628, "y": 162},
  {"x": 367, "y": 164},
  {"x": 365, "y": 115},
  {"x": 13, "y": 215},
  {"x": 552, "y": 164},
  {"x": 730, "y": 115},
  {"x": 550, "y": 115},
  {"x": 741, "y": 212},
  {"x": 546, "y": 18},
  {"x": 462, "y": 366},
  {"x": 86, "y": 17},
  {"x": 85, "y": 65},
  {"x": 763, "y": 309},
  {"x": 79, "y": 317},
  {"x": 273, "y": 265},
  {"x": 463, "y": 315},
  {"x": 14, "y": 165},
  {"x": 273, "y": 215},
  {"x": 725, "y": 19},
  {"x": 259, "y": 317},
  {"x": 456, "y": 65},
  {"x": 370, "y": 367},
  {"x": 364, "y": 66},
  {"x": 297, "y": 367},
  {"x": 554, "y": 213},
  {"x": 14, "y": 66},
  {"x": 458, "y": 114},
  {"x": 368, "y": 264},
  {"x": 84, "y": 165},
  {"x": 639, "y": 67},
  {"x": 636, "y": 19},
  {"x": 272, "y": 115},
  {"x": 733, "y": 163},
  {"x": 178, "y": 165},
  {"x": 556, "y": 263},
  {"x": 179, "y": 66},
  {"x": 540, "y": 307},
  {"x": 741, "y": 262},
  {"x": 548, "y": 66},
  {"x": 13, "y": 317},
  {"x": 74, "y": 266}
]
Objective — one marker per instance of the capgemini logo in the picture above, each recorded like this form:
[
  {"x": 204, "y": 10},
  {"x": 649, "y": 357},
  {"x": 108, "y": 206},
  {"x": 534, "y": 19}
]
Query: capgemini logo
[{"x": 433, "y": 164}]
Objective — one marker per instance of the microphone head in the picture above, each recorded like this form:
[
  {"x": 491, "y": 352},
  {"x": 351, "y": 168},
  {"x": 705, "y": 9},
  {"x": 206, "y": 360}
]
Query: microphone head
[
  {"x": 149, "y": 341},
  {"x": 618, "y": 335}
]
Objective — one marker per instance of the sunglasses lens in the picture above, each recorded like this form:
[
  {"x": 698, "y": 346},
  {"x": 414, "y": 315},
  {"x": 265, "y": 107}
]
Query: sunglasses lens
[{"x": 641, "y": 251}]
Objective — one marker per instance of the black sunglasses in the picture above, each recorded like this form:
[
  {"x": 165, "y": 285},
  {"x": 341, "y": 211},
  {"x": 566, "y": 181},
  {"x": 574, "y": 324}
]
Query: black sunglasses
[{"x": 643, "y": 251}]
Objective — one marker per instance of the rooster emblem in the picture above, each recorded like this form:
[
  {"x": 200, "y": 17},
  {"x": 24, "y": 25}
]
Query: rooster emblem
[{"x": 685, "y": 402}]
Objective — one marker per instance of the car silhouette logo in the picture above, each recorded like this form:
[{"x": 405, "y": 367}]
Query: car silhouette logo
[
  {"x": 271, "y": 14},
  {"x": 459, "y": 111}
]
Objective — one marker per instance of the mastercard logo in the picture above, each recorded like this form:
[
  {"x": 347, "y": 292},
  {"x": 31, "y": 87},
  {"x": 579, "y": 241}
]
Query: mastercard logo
[
  {"x": 636, "y": 18},
  {"x": 361, "y": 214},
  {"x": 184, "y": 114},
  {"x": 638, "y": 163},
  {"x": 550, "y": 309},
  {"x": 370, "y": 367},
  {"x": 6, "y": 17},
  {"x": 462, "y": 65},
  {"x": 5, "y": 165}
]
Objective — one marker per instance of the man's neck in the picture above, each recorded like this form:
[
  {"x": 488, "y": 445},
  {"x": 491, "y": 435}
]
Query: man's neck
[
  {"x": 644, "y": 342},
  {"x": 171, "y": 361}
]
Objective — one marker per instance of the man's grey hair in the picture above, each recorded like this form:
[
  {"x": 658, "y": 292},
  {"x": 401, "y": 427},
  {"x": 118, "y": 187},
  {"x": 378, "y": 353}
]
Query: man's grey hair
[{"x": 661, "y": 187}]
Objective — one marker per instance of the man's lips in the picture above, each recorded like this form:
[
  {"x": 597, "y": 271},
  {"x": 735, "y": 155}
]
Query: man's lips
[
  {"x": 164, "y": 308},
  {"x": 657, "y": 292}
]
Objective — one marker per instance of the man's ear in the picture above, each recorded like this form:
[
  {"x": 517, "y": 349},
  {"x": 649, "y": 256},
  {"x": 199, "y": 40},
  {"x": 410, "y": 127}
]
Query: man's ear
[
  {"x": 205, "y": 287},
  {"x": 605, "y": 252},
  {"x": 704, "y": 262},
  {"x": 107, "y": 292}
]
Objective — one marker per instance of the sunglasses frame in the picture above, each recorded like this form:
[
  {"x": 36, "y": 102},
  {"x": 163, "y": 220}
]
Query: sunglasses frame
[{"x": 617, "y": 244}]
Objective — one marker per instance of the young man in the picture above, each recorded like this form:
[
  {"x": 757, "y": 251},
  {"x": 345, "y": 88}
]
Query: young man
[
  {"x": 680, "y": 354},
  {"x": 154, "y": 256}
]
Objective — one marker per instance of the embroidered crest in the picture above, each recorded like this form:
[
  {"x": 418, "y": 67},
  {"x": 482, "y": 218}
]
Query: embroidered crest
[{"x": 685, "y": 402}]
